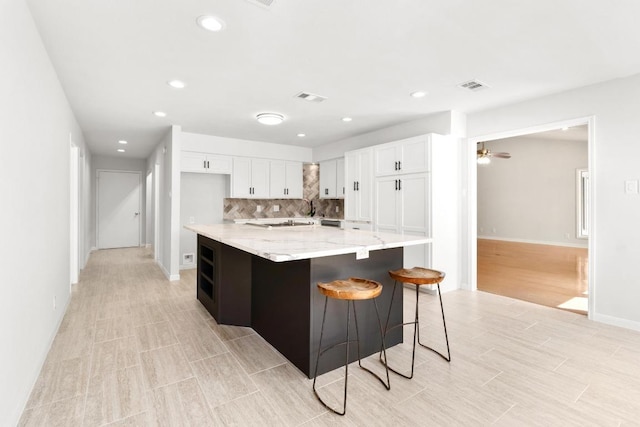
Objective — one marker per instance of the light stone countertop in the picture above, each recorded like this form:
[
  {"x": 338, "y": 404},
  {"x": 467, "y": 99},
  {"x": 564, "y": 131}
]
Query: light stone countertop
[{"x": 303, "y": 242}]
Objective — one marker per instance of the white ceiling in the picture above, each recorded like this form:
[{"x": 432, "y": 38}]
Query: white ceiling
[{"x": 114, "y": 57}]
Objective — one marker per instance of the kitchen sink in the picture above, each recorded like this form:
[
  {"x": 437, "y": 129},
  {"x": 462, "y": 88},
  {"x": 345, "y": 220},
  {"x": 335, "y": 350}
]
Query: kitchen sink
[{"x": 289, "y": 223}]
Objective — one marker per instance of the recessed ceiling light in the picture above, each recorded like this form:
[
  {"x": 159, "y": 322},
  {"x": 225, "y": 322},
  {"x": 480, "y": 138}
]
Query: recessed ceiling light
[
  {"x": 270, "y": 118},
  {"x": 177, "y": 84},
  {"x": 122, "y": 141},
  {"x": 160, "y": 113},
  {"x": 210, "y": 23},
  {"x": 565, "y": 128},
  {"x": 346, "y": 119},
  {"x": 418, "y": 94},
  {"x": 302, "y": 135},
  {"x": 120, "y": 150}
]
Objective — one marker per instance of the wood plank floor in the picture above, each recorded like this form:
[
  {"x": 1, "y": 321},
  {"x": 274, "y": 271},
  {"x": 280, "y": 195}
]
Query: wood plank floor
[
  {"x": 135, "y": 350},
  {"x": 555, "y": 276}
]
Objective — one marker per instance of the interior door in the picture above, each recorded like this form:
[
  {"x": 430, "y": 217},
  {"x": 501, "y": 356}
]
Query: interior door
[{"x": 118, "y": 209}]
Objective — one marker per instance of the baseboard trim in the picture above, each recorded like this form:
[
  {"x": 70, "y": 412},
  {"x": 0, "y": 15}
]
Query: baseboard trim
[
  {"x": 535, "y": 242},
  {"x": 616, "y": 321},
  {"x": 187, "y": 266},
  {"x": 170, "y": 277},
  {"x": 38, "y": 370}
]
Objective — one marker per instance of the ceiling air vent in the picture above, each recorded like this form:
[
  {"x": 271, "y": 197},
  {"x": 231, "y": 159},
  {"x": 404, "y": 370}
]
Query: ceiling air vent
[
  {"x": 311, "y": 97},
  {"x": 262, "y": 3},
  {"x": 473, "y": 85}
]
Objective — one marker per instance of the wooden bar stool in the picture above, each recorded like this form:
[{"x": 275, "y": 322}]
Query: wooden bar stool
[
  {"x": 416, "y": 276},
  {"x": 349, "y": 290}
]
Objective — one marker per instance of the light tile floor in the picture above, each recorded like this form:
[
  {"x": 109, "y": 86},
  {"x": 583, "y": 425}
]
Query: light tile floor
[{"x": 136, "y": 350}]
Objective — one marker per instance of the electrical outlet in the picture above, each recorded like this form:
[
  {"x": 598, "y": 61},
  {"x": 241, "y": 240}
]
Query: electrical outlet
[
  {"x": 567, "y": 235},
  {"x": 493, "y": 230},
  {"x": 192, "y": 220},
  {"x": 482, "y": 229},
  {"x": 631, "y": 187},
  {"x": 276, "y": 208},
  {"x": 337, "y": 208},
  {"x": 259, "y": 208}
]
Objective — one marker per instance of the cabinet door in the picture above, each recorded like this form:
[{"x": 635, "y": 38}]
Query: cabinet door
[
  {"x": 241, "y": 178},
  {"x": 260, "y": 178},
  {"x": 193, "y": 162},
  {"x": 219, "y": 164},
  {"x": 351, "y": 176},
  {"x": 277, "y": 180},
  {"x": 414, "y": 155},
  {"x": 387, "y": 215},
  {"x": 340, "y": 189},
  {"x": 328, "y": 179},
  {"x": 414, "y": 203},
  {"x": 365, "y": 186},
  {"x": 386, "y": 159},
  {"x": 294, "y": 180}
]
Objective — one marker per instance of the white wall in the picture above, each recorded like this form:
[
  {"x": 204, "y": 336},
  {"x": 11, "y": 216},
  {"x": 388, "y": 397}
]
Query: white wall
[
  {"x": 120, "y": 164},
  {"x": 615, "y": 235},
  {"x": 242, "y": 147},
  {"x": 532, "y": 196},
  {"x": 444, "y": 123},
  {"x": 167, "y": 157},
  {"x": 201, "y": 199},
  {"x": 34, "y": 220}
]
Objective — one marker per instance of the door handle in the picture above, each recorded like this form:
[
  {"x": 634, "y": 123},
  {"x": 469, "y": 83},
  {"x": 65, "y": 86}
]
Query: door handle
[{"x": 136, "y": 213}]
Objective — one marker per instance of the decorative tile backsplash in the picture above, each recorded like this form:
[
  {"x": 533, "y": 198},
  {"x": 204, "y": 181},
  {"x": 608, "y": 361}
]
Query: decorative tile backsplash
[{"x": 288, "y": 208}]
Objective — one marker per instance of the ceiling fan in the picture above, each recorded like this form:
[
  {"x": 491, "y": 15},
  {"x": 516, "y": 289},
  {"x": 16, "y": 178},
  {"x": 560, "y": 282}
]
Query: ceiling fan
[{"x": 485, "y": 155}]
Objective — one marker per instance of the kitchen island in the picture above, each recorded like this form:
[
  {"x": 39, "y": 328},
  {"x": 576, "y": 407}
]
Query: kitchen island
[{"x": 265, "y": 278}]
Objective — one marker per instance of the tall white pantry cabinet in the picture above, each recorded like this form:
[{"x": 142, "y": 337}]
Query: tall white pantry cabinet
[{"x": 416, "y": 192}]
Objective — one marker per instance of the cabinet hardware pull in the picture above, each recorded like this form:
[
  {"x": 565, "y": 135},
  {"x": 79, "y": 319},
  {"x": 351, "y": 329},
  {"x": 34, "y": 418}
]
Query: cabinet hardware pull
[
  {"x": 399, "y": 184},
  {"x": 208, "y": 166},
  {"x": 358, "y": 185},
  {"x": 399, "y": 165},
  {"x": 204, "y": 164},
  {"x": 326, "y": 191},
  {"x": 396, "y": 181},
  {"x": 354, "y": 186}
]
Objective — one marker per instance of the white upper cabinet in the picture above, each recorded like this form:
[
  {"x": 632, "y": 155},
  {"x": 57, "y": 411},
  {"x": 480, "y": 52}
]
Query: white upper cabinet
[
  {"x": 358, "y": 185},
  {"x": 285, "y": 180},
  {"x": 328, "y": 179},
  {"x": 406, "y": 156},
  {"x": 250, "y": 178},
  {"x": 191, "y": 161}
]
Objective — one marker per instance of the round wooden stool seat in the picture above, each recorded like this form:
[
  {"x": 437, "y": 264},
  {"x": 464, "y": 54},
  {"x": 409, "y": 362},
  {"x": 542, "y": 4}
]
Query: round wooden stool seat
[
  {"x": 417, "y": 276},
  {"x": 353, "y": 288}
]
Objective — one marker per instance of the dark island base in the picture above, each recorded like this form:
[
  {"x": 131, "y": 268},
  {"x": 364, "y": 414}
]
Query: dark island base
[{"x": 281, "y": 302}]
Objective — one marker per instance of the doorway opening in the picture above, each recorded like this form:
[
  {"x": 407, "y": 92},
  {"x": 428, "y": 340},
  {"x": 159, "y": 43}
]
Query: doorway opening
[{"x": 533, "y": 215}]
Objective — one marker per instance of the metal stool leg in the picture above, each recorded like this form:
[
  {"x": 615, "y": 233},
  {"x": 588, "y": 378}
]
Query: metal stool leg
[
  {"x": 415, "y": 334},
  {"x": 346, "y": 365},
  {"x": 446, "y": 337},
  {"x": 386, "y": 385}
]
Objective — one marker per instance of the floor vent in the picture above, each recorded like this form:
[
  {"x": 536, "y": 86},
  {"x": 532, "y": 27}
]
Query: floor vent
[
  {"x": 473, "y": 85},
  {"x": 311, "y": 97}
]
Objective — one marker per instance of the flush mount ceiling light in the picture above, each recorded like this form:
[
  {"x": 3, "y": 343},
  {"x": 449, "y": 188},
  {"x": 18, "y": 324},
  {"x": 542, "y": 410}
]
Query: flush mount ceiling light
[
  {"x": 418, "y": 94},
  {"x": 120, "y": 150},
  {"x": 177, "y": 84},
  {"x": 210, "y": 23},
  {"x": 122, "y": 141},
  {"x": 346, "y": 119},
  {"x": 160, "y": 113},
  {"x": 270, "y": 119},
  {"x": 302, "y": 135}
]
